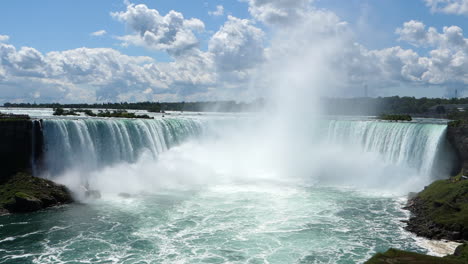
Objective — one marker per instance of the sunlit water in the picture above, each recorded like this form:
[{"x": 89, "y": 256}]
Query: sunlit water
[{"x": 197, "y": 202}]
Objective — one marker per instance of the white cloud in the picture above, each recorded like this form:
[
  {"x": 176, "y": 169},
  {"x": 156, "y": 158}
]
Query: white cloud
[
  {"x": 273, "y": 12},
  {"x": 445, "y": 64},
  {"x": 86, "y": 74},
  {"x": 415, "y": 33},
  {"x": 218, "y": 12},
  {"x": 172, "y": 32},
  {"x": 99, "y": 33},
  {"x": 458, "y": 7},
  {"x": 238, "y": 45},
  {"x": 4, "y": 38},
  {"x": 304, "y": 40}
]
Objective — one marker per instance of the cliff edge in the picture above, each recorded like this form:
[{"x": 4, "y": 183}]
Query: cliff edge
[{"x": 21, "y": 144}]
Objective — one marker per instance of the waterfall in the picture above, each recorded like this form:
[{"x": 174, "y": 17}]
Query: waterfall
[
  {"x": 89, "y": 144},
  {"x": 415, "y": 145}
]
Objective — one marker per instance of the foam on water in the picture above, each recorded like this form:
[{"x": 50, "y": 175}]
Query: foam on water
[{"x": 221, "y": 224}]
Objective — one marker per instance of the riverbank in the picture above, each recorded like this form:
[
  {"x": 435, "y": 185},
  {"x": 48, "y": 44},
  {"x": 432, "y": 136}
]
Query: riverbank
[
  {"x": 395, "y": 256},
  {"x": 438, "y": 212}
]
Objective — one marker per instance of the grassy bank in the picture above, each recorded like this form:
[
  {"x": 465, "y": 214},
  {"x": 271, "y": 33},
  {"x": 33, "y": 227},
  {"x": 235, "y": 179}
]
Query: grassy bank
[
  {"x": 395, "y": 256},
  {"x": 440, "y": 211}
]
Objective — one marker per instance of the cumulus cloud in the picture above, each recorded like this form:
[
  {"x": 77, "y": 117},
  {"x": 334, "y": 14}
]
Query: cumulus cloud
[
  {"x": 87, "y": 74},
  {"x": 445, "y": 64},
  {"x": 415, "y": 33},
  {"x": 92, "y": 74},
  {"x": 238, "y": 45},
  {"x": 273, "y": 12},
  {"x": 218, "y": 12},
  {"x": 172, "y": 32},
  {"x": 458, "y": 7},
  {"x": 4, "y": 38},
  {"x": 99, "y": 33},
  {"x": 303, "y": 39}
]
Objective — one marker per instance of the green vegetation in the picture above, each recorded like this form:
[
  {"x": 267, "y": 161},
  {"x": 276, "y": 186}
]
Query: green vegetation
[
  {"x": 38, "y": 192},
  {"x": 338, "y": 106},
  {"x": 86, "y": 111},
  {"x": 13, "y": 117},
  {"x": 209, "y": 106},
  {"x": 458, "y": 115},
  {"x": 445, "y": 202},
  {"x": 156, "y": 108},
  {"x": 62, "y": 112},
  {"x": 392, "y": 105},
  {"x": 395, "y": 256},
  {"x": 456, "y": 123},
  {"x": 395, "y": 117},
  {"x": 121, "y": 114}
]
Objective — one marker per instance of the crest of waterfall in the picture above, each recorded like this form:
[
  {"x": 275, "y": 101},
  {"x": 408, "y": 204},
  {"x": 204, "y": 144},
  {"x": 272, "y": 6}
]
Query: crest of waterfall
[
  {"x": 90, "y": 144},
  {"x": 415, "y": 145}
]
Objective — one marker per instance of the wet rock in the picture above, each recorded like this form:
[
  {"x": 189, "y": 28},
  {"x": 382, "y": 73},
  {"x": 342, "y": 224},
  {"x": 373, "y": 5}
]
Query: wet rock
[
  {"x": 24, "y": 203},
  {"x": 93, "y": 194},
  {"x": 23, "y": 193}
]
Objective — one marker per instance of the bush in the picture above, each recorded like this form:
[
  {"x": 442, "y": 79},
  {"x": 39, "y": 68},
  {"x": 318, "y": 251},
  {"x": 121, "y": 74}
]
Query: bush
[
  {"x": 62, "y": 112},
  {"x": 396, "y": 117},
  {"x": 121, "y": 114}
]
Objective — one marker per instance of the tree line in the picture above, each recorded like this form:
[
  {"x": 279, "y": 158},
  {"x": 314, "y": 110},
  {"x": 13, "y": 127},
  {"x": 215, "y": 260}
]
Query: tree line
[
  {"x": 211, "y": 106},
  {"x": 389, "y": 105},
  {"x": 334, "y": 106}
]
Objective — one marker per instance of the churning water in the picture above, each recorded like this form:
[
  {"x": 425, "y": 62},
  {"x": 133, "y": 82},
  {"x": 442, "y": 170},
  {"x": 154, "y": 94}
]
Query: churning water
[{"x": 179, "y": 190}]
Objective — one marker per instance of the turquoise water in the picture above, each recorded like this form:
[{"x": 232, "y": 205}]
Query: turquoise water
[{"x": 220, "y": 224}]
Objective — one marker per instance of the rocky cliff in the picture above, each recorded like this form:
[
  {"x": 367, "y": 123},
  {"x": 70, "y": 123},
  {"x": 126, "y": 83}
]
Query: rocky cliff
[
  {"x": 21, "y": 146},
  {"x": 457, "y": 135},
  {"x": 20, "y": 143}
]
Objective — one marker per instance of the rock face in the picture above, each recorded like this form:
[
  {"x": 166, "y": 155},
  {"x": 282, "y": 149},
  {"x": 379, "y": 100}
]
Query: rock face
[
  {"x": 20, "y": 143},
  {"x": 23, "y": 193},
  {"x": 457, "y": 135}
]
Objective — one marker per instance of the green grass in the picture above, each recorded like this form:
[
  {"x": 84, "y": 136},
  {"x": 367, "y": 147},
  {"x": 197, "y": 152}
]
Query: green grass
[
  {"x": 447, "y": 202},
  {"x": 395, "y": 256}
]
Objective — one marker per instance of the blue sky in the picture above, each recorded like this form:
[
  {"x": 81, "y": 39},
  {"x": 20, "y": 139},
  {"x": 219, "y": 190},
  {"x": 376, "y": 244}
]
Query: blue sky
[
  {"x": 50, "y": 25},
  {"x": 66, "y": 26}
]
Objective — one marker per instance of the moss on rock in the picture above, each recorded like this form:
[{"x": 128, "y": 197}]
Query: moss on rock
[
  {"x": 25, "y": 193},
  {"x": 395, "y": 256},
  {"x": 440, "y": 211}
]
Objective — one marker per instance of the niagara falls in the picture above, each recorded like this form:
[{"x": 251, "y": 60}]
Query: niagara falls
[{"x": 234, "y": 131}]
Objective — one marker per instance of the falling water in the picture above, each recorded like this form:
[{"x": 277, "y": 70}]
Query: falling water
[
  {"x": 94, "y": 143},
  {"x": 414, "y": 145}
]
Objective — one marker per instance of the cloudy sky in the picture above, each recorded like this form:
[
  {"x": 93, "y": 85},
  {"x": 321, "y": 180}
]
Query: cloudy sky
[{"x": 170, "y": 50}]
